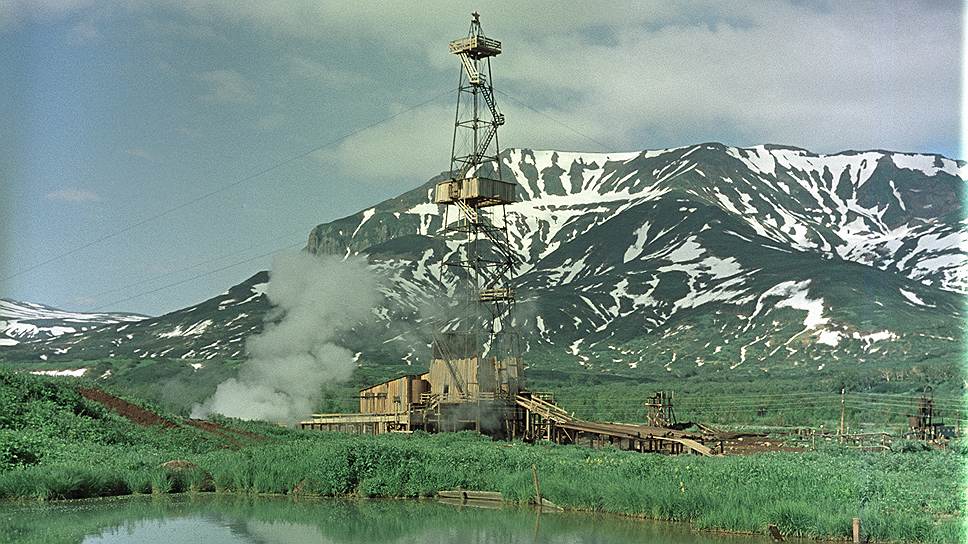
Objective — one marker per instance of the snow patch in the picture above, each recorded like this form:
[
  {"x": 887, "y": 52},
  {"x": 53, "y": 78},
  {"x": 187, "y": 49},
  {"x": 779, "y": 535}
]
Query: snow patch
[
  {"x": 76, "y": 373},
  {"x": 366, "y": 217},
  {"x": 831, "y": 338},
  {"x": 897, "y": 194},
  {"x": 875, "y": 336},
  {"x": 193, "y": 330},
  {"x": 915, "y": 299},
  {"x": 641, "y": 236},
  {"x": 795, "y": 296},
  {"x": 927, "y": 164}
]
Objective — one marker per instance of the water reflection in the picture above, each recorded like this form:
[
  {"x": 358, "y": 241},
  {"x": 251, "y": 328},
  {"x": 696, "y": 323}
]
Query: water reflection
[{"x": 234, "y": 520}]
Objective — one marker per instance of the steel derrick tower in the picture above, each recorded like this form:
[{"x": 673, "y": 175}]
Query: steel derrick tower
[{"x": 484, "y": 260}]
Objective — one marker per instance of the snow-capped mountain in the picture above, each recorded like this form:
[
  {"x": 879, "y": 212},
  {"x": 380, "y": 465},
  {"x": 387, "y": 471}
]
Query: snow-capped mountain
[
  {"x": 683, "y": 260},
  {"x": 893, "y": 211},
  {"x": 22, "y": 321},
  {"x": 215, "y": 327}
]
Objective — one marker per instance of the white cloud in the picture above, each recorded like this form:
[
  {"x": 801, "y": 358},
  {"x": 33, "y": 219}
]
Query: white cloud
[
  {"x": 416, "y": 145},
  {"x": 413, "y": 146},
  {"x": 827, "y": 77},
  {"x": 410, "y": 27},
  {"x": 226, "y": 86},
  {"x": 642, "y": 74},
  {"x": 849, "y": 78},
  {"x": 325, "y": 74},
  {"x": 72, "y": 194}
]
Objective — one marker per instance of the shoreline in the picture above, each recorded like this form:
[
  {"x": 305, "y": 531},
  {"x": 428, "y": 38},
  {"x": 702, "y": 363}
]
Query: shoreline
[{"x": 685, "y": 526}]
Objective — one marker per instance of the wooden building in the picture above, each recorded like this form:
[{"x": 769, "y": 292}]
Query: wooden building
[
  {"x": 394, "y": 396},
  {"x": 460, "y": 391}
]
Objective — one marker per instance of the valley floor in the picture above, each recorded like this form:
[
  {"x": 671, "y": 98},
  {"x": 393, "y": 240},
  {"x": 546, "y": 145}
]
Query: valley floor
[{"x": 56, "y": 443}]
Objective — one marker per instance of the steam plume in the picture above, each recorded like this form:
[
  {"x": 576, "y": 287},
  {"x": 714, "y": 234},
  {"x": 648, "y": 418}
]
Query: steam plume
[{"x": 314, "y": 299}]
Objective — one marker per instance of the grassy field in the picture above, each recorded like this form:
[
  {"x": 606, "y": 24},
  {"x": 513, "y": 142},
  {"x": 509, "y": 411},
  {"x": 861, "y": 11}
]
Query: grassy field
[
  {"x": 55, "y": 444},
  {"x": 877, "y": 398}
]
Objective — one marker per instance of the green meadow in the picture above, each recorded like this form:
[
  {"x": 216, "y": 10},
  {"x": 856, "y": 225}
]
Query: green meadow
[{"x": 55, "y": 444}]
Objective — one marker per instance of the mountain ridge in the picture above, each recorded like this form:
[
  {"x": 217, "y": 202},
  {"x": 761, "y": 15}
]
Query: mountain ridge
[
  {"x": 637, "y": 261},
  {"x": 20, "y": 321}
]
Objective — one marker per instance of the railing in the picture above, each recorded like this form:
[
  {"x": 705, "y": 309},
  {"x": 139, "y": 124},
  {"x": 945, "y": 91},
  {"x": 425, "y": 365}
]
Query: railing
[
  {"x": 492, "y": 233},
  {"x": 468, "y": 211},
  {"x": 430, "y": 401},
  {"x": 491, "y": 105},
  {"x": 473, "y": 75},
  {"x": 501, "y": 293},
  {"x": 543, "y": 408},
  {"x": 474, "y": 42}
]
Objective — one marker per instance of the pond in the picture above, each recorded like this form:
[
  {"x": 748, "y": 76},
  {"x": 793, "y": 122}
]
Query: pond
[{"x": 212, "y": 519}]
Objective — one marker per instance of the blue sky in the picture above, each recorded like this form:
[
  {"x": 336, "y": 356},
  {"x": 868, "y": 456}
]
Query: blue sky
[{"x": 116, "y": 111}]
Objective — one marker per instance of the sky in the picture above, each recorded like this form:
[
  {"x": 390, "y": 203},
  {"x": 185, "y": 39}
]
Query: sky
[{"x": 154, "y": 153}]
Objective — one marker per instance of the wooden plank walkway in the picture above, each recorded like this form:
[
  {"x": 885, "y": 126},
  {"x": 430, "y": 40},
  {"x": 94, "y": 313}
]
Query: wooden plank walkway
[{"x": 622, "y": 431}]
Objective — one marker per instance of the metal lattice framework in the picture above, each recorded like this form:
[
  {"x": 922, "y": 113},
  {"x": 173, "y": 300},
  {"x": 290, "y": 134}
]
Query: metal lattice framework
[{"x": 480, "y": 194}]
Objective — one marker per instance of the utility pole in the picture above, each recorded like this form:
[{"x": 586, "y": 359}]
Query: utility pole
[{"x": 843, "y": 393}]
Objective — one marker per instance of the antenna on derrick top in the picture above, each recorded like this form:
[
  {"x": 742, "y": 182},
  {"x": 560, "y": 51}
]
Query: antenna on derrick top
[{"x": 484, "y": 260}]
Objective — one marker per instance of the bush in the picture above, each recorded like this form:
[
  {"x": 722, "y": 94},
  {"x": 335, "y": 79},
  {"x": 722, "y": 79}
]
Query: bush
[
  {"x": 909, "y": 446},
  {"x": 22, "y": 448}
]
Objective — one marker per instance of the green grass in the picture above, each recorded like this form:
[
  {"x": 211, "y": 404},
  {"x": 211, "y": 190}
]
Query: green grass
[
  {"x": 55, "y": 444},
  {"x": 780, "y": 400},
  {"x": 912, "y": 496}
]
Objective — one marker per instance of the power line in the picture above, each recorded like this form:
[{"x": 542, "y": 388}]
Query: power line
[
  {"x": 711, "y": 404},
  {"x": 221, "y": 189},
  {"x": 706, "y": 399},
  {"x": 698, "y": 394},
  {"x": 911, "y": 404},
  {"x": 195, "y": 265},
  {"x": 239, "y": 182},
  {"x": 755, "y": 398},
  {"x": 909, "y": 397},
  {"x": 817, "y": 402},
  {"x": 603, "y": 145},
  {"x": 905, "y": 407},
  {"x": 199, "y": 276}
]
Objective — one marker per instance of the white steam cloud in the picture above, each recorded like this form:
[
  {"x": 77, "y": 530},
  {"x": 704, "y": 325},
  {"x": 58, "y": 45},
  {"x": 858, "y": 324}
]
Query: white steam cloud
[{"x": 314, "y": 299}]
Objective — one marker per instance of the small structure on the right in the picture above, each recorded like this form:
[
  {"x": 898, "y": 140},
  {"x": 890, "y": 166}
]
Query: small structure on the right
[{"x": 925, "y": 424}]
